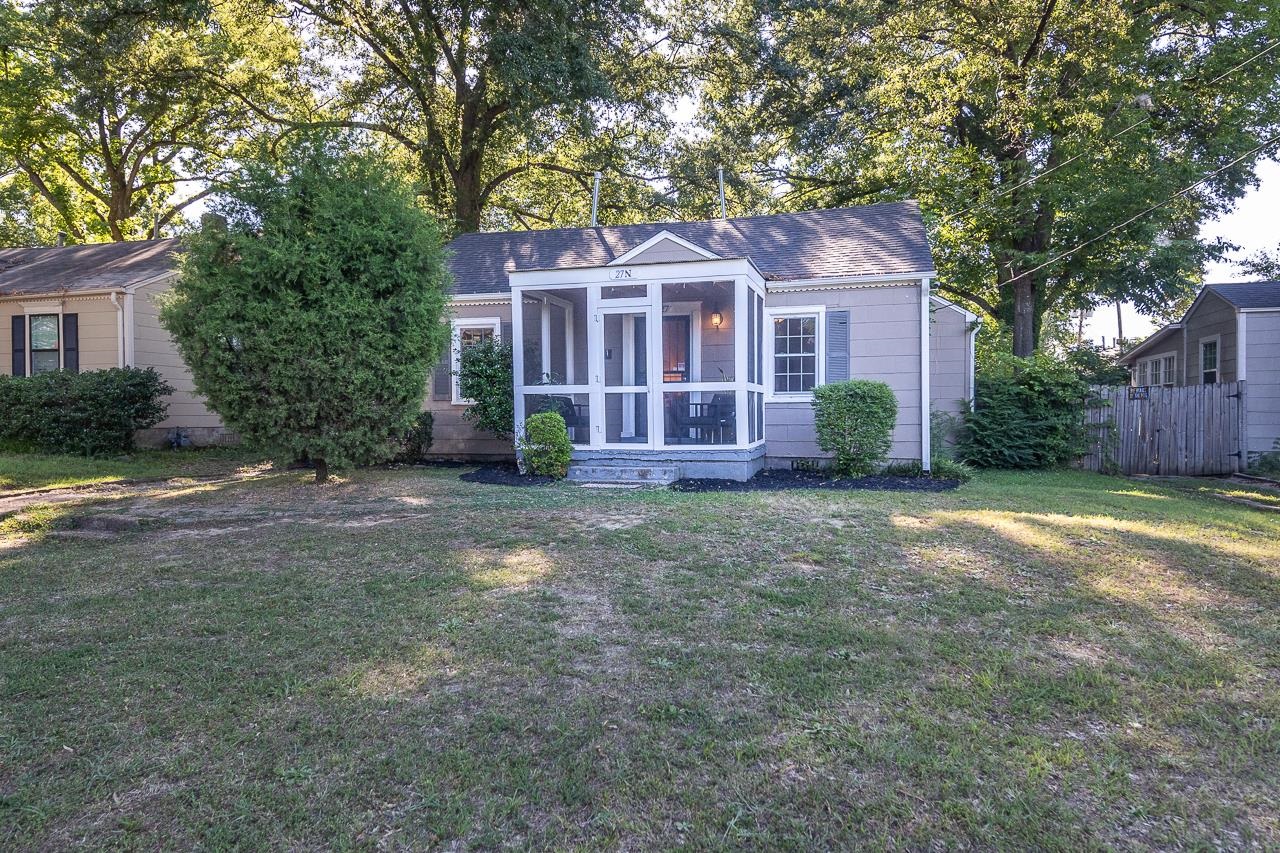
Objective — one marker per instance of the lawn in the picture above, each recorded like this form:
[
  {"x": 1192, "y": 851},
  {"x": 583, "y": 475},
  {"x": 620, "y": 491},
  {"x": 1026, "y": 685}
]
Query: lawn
[
  {"x": 23, "y": 471},
  {"x": 403, "y": 660}
]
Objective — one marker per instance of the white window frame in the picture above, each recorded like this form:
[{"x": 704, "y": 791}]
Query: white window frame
[
  {"x": 1216, "y": 340},
  {"x": 819, "y": 312},
  {"x": 1167, "y": 378},
  {"x": 458, "y": 324}
]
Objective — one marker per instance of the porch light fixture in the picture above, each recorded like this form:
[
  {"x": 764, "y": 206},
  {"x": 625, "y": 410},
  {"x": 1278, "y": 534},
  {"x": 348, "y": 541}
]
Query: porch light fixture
[{"x": 716, "y": 319}]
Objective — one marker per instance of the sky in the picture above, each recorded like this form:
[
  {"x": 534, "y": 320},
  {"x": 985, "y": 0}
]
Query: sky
[{"x": 1252, "y": 225}]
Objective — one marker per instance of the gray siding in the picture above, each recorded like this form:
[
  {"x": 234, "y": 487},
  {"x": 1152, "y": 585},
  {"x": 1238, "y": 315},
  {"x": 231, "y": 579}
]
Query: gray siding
[
  {"x": 666, "y": 251},
  {"x": 948, "y": 361},
  {"x": 1262, "y": 380},
  {"x": 453, "y": 436},
  {"x": 884, "y": 344},
  {"x": 1213, "y": 316}
]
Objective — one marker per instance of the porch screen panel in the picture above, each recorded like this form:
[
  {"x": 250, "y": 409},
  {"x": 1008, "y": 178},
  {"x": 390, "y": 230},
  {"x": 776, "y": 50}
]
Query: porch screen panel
[{"x": 574, "y": 408}]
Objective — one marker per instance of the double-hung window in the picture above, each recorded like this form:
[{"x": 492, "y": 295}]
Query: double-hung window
[
  {"x": 468, "y": 332},
  {"x": 45, "y": 343},
  {"x": 796, "y": 359},
  {"x": 1209, "y": 360}
]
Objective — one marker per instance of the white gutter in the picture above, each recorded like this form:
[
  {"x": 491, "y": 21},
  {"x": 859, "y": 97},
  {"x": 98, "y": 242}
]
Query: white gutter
[{"x": 926, "y": 461}]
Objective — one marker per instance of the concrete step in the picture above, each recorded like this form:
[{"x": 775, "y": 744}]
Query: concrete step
[{"x": 596, "y": 472}]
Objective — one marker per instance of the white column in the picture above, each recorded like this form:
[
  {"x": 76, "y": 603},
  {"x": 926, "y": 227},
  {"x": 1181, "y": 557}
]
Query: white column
[
  {"x": 740, "y": 293},
  {"x": 925, "y": 460},
  {"x": 517, "y": 356}
]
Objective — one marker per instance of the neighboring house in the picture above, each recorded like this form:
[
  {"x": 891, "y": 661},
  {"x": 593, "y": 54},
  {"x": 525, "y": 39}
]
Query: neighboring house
[
  {"x": 93, "y": 307},
  {"x": 695, "y": 346},
  {"x": 1231, "y": 332}
]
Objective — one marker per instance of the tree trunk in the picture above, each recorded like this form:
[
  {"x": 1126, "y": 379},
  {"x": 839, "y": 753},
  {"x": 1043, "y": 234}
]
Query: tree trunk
[
  {"x": 1024, "y": 317},
  {"x": 322, "y": 470}
]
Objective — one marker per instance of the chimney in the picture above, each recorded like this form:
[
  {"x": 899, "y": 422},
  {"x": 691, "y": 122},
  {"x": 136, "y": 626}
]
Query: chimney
[
  {"x": 595, "y": 200},
  {"x": 720, "y": 173}
]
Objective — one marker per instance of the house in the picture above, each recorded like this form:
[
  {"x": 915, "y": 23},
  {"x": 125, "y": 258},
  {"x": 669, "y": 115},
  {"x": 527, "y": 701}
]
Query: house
[
  {"x": 94, "y": 307},
  {"x": 1230, "y": 333},
  {"x": 694, "y": 347}
]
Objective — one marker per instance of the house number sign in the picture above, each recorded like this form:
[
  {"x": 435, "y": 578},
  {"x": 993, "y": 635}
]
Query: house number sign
[{"x": 617, "y": 274}]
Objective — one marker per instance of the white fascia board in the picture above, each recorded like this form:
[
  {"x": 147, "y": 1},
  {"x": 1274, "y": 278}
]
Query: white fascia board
[
  {"x": 942, "y": 303},
  {"x": 626, "y": 257},
  {"x": 833, "y": 282},
  {"x": 480, "y": 299},
  {"x": 1259, "y": 310},
  {"x": 638, "y": 274},
  {"x": 155, "y": 279}
]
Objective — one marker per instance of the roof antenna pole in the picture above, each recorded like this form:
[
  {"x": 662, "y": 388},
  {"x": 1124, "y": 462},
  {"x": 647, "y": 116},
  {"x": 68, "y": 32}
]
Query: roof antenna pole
[
  {"x": 595, "y": 200},
  {"x": 720, "y": 173}
]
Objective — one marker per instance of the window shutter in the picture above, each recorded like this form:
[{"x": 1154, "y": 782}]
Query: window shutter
[
  {"x": 837, "y": 346},
  {"x": 71, "y": 343},
  {"x": 442, "y": 379},
  {"x": 19, "y": 326}
]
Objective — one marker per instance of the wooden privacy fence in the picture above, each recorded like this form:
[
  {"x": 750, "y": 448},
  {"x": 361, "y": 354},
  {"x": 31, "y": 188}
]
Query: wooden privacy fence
[{"x": 1191, "y": 430}]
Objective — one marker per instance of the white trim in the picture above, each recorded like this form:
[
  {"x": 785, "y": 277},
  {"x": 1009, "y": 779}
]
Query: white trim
[
  {"x": 664, "y": 273},
  {"x": 457, "y": 324},
  {"x": 658, "y": 238},
  {"x": 820, "y": 343},
  {"x": 840, "y": 282},
  {"x": 971, "y": 356},
  {"x": 1242, "y": 345},
  {"x": 942, "y": 303},
  {"x": 130, "y": 330},
  {"x": 1258, "y": 310},
  {"x": 1217, "y": 369},
  {"x": 44, "y": 310},
  {"x": 120, "y": 356},
  {"x": 926, "y": 401},
  {"x": 1160, "y": 357},
  {"x": 480, "y": 299}
]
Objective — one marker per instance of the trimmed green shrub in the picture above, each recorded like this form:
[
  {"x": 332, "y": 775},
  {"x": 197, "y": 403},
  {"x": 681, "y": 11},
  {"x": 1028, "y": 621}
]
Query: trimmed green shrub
[
  {"x": 417, "y": 440},
  {"x": 945, "y": 468},
  {"x": 545, "y": 445},
  {"x": 1029, "y": 413},
  {"x": 854, "y": 421},
  {"x": 91, "y": 413},
  {"x": 485, "y": 376},
  {"x": 311, "y": 316}
]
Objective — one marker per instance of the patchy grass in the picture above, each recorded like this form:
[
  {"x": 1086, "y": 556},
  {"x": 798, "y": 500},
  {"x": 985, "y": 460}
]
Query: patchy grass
[
  {"x": 405, "y": 660},
  {"x": 23, "y": 471}
]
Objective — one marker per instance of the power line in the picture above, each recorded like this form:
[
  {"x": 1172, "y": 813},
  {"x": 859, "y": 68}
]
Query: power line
[
  {"x": 1256, "y": 149},
  {"x": 1111, "y": 138}
]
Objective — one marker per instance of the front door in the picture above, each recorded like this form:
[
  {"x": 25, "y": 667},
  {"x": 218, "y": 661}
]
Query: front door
[{"x": 622, "y": 361}]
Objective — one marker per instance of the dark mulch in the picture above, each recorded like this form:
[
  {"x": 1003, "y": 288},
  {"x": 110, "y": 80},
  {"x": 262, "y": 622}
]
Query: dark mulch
[
  {"x": 780, "y": 479},
  {"x": 505, "y": 475}
]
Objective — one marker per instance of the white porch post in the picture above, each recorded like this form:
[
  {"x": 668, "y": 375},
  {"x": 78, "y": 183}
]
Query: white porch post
[
  {"x": 517, "y": 358},
  {"x": 925, "y": 441},
  {"x": 741, "y": 292}
]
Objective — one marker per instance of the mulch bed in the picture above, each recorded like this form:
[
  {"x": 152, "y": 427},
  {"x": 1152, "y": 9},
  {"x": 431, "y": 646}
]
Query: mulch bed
[
  {"x": 505, "y": 475},
  {"x": 779, "y": 479}
]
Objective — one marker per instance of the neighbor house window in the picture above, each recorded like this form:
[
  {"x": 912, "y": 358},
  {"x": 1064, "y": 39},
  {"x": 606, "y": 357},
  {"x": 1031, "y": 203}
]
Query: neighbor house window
[
  {"x": 797, "y": 351},
  {"x": 1157, "y": 370},
  {"x": 1209, "y": 361},
  {"x": 45, "y": 345},
  {"x": 1170, "y": 370},
  {"x": 469, "y": 332}
]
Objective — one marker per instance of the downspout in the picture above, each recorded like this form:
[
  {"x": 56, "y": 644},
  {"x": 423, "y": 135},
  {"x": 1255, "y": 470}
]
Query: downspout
[
  {"x": 115, "y": 300},
  {"x": 925, "y": 460}
]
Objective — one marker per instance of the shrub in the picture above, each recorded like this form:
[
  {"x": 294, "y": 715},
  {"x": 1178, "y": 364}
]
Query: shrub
[
  {"x": 1268, "y": 463},
  {"x": 91, "y": 413},
  {"x": 311, "y": 314},
  {"x": 854, "y": 421},
  {"x": 944, "y": 468},
  {"x": 485, "y": 376},
  {"x": 417, "y": 439},
  {"x": 1029, "y": 413},
  {"x": 545, "y": 445}
]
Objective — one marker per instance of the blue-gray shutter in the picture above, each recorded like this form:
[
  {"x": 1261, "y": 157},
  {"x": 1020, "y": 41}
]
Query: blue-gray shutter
[
  {"x": 442, "y": 379},
  {"x": 71, "y": 343},
  {"x": 837, "y": 346},
  {"x": 19, "y": 326}
]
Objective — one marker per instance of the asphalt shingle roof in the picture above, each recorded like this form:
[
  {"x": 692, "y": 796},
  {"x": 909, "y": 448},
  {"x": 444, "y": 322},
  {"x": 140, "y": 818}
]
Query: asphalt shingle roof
[
  {"x": 96, "y": 266},
  {"x": 877, "y": 239},
  {"x": 1254, "y": 294}
]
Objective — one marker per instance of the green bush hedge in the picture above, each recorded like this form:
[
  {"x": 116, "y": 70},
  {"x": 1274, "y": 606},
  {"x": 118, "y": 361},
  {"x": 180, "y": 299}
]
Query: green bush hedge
[
  {"x": 1029, "y": 413},
  {"x": 854, "y": 421},
  {"x": 545, "y": 445},
  {"x": 417, "y": 440},
  {"x": 90, "y": 413}
]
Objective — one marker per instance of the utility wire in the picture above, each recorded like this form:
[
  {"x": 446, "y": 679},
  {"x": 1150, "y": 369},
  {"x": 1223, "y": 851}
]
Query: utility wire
[
  {"x": 1111, "y": 138},
  {"x": 1256, "y": 149}
]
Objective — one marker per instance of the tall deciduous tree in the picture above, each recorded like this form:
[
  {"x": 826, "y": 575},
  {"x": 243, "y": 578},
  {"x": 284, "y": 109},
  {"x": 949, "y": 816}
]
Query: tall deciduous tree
[
  {"x": 113, "y": 118},
  {"x": 311, "y": 317},
  {"x": 492, "y": 99},
  {"x": 1027, "y": 128}
]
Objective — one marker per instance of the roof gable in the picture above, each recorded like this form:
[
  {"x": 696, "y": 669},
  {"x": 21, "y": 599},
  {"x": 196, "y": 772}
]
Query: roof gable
[{"x": 665, "y": 246}]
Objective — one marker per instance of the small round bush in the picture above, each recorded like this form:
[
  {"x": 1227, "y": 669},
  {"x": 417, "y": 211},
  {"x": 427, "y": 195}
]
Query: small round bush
[
  {"x": 545, "y": 445},
  {"x": 854, "y": 421},
  {"x": 485, "y": 376}
]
